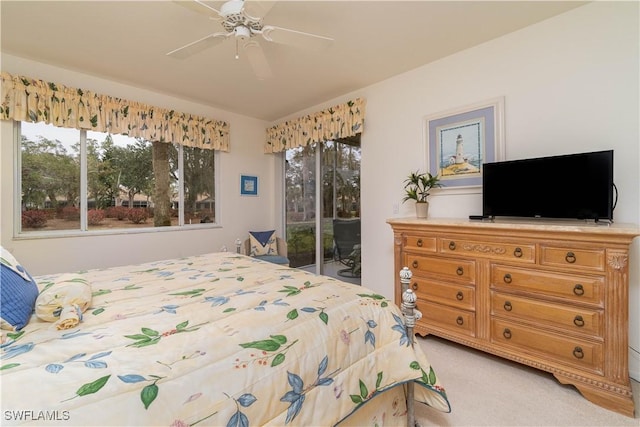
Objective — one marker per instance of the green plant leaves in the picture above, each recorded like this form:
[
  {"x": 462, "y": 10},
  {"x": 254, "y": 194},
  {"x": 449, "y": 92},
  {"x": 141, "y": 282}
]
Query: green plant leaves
[
  {"x": 293, "y": 314},
  {"x": 192, "y": 293},
  {"x": 432, "y": 376},
  {"x": 277, "y": 360},
  {"x": 143, "y": 340},
  {"x": 182, "y": 326},
  {"x": 275, "y": 343},
  {"x": 365, "y": 394},
  {"x": 92, "y": 387},
  {"x": 363, "y": 390},
  {"x": 151, "y": 336},
  {"x": 272, "y": 344},
  {"x": 15, "y": 335},
  {"x": 417, "y": 185},
  {"x": 149, "y": 394},
  {"x": 150, "y": 332},
  {"x": 101, "y": 292},
  {"x": 429, "y": 378},
  {"x": 9, "y": 366},
  {"x": 324, "y": 317},
  {"x": 290, "y": 290}
]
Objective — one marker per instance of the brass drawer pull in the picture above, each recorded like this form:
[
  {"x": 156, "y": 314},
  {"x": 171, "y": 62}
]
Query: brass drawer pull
[
  {"x": 578, "y": 289},
  {"x": 419, "y": 243},
  {"x": 508, "y": 306},
  {"x": 578, "y": 321},
  {"x": 452, "y": 245},
  {"x": 460, "y": 271},
  {"x": 506, "y": 333},
  {"x": 570, "y": 257},
  {"x": 578, "y": 353},
  {"x": 507, "y": 278},
  {"x": 415, "y": 286},
  {"x": 415, "y": 264},
  {"x": 459, "y": 296},
  {"x": 460, "y": 320},
  {"x": 517, "y": 252}
]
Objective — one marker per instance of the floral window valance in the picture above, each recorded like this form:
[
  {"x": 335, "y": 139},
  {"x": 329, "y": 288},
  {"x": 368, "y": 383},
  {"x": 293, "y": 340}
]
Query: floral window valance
[
  {"x": 341, "y": 121},
  {"x": 27, "y": 99}
]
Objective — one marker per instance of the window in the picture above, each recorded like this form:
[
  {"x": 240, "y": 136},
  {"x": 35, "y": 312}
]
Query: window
[{"x": 72, "y": 180}]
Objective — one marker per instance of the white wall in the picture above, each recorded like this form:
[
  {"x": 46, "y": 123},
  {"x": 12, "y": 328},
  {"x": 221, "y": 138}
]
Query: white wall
[
  {"x": 570, "y": 83},
  {"x": 238, "y": 213}
]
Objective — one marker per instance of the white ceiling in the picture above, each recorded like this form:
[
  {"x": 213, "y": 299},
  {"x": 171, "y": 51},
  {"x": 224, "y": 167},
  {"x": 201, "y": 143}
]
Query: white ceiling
[{"x": 126, "y": 41}]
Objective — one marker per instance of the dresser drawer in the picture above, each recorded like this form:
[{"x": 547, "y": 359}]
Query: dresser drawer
[
  {"x": 586, "y": 289},
  {"x": 582, "y": 259},
  {"x": 562, "y": 317},
  {"x": 525, "y": 252},
  {"x": 463, "y": 271},
  {"x": 420, "y": 243},
  {"x": 571, "y": 351},
  {"x": 448, "y": 318},
  {"x": 452, "y": 295}
]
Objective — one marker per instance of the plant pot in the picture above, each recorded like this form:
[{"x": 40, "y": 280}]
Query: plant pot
[{"x": 422, "y": 209}]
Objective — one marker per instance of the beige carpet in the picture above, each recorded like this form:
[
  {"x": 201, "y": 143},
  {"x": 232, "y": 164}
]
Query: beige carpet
[{"x": 485, "y": 390}]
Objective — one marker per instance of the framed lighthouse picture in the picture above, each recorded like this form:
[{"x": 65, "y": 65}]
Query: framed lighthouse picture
[{"x": 459, "y": 141}]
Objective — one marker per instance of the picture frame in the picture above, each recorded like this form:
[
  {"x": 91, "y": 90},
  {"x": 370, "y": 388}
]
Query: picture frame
[
  {"x": 460, "y": 140},
  {"x": 248, "y": 185}
]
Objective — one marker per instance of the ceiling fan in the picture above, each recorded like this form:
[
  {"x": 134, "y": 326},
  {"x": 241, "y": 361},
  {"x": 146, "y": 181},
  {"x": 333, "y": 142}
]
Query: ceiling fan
[{"x": 243, "y": 21}]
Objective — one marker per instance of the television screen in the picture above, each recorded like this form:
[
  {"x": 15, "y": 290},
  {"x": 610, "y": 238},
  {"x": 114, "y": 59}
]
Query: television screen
[{"x": 576, "y": 186}]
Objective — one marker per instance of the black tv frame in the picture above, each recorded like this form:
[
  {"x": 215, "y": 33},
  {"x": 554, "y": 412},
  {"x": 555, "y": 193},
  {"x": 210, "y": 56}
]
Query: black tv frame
[{"x": 570, "y": 186}]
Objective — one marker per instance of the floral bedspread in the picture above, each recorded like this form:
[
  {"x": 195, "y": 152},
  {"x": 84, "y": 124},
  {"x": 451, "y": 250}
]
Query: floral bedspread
[{"x": 217, "y": 339}]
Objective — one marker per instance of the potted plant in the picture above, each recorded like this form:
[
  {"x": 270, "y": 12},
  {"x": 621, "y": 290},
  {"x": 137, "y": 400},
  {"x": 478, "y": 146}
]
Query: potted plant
[{"x": 417, "y": 187}]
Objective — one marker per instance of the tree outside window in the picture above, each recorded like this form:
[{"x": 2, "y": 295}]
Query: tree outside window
[{"x": 130, "y": 182}]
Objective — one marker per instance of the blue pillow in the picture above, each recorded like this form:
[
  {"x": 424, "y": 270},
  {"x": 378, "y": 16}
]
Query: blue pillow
[{"x": 18, "y": 293}]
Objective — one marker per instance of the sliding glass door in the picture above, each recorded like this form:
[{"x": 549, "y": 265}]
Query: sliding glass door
[
  {"x": 322, "y": 184},
  {"x": 300, "y": 205}
]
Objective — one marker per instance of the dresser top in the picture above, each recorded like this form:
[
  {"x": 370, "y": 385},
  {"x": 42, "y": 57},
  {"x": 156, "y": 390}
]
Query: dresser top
[{"x": 513, "y": 224}]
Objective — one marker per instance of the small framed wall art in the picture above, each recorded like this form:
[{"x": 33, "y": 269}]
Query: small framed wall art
[
  {"x": 248, "y": 185},
  {"x": 459, "y": 141}
]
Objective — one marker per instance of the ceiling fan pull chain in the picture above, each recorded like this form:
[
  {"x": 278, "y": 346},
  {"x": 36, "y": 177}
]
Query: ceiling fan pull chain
[{"x": 237, "y": 55}]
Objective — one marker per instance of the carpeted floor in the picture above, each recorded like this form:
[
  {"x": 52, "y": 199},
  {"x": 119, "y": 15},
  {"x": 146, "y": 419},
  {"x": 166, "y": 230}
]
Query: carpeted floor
[{"x": 485, "y": 390}]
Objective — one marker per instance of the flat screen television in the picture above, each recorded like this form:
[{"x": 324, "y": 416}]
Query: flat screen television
[{"x": 572, "y": 186}]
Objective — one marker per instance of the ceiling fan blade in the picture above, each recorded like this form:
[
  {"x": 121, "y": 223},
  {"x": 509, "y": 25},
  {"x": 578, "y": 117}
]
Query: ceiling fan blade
[
  {"x": 200, "y": 7},
  {"x": 257, "y": 9},
  {"x": 295, "y": 38},
  {"x": 198, "y": 45},
  {"x": 258, "y": 60}
]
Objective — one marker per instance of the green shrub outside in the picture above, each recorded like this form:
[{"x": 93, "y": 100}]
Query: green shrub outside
[{"x": 301, "y": 242}]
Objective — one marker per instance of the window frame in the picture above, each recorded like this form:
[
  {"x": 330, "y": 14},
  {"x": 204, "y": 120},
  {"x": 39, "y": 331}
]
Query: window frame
[{"x": 19, "y": 234}]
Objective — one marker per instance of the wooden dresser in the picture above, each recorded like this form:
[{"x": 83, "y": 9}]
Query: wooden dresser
[{"x": 551, "y": 295}]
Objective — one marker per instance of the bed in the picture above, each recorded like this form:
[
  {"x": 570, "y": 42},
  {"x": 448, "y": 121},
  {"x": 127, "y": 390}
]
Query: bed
[{"x": 215, "y": 339}]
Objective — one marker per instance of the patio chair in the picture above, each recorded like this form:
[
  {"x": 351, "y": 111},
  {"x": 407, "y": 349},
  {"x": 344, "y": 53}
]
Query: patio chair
[{"x": 346, "y": 245}]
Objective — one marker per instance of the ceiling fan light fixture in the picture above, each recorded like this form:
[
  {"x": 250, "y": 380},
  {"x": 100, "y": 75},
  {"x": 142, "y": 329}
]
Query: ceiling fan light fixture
[
  {"x": 232, "y": 7},
  {"x": 241, "y": 32}
]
